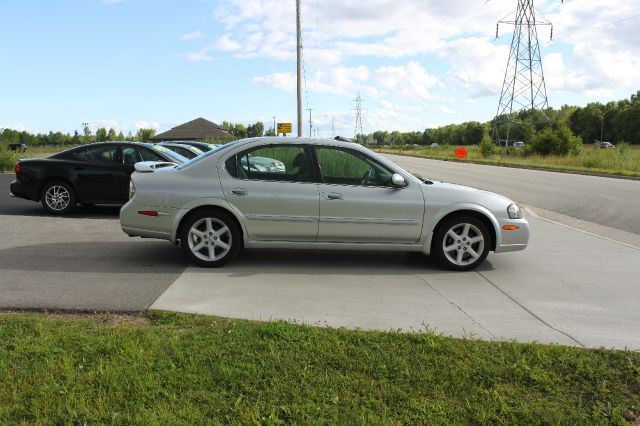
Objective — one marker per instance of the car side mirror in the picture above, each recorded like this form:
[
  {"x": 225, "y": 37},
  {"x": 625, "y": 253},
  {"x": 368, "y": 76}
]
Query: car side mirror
[{"x": 398, "y": 180}]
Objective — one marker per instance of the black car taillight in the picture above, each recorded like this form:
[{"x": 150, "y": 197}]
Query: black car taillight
[{"x": 17, "y": 168}]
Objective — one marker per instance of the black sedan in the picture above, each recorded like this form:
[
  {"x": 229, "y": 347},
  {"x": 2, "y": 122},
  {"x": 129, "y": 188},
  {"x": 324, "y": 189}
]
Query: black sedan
[{"x": 90, "y": 174}]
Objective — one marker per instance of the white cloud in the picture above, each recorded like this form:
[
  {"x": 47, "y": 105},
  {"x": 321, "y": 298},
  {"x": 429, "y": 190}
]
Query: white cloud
[
  {"x": 280, "y": 80},
  {"x": 409, "y": 81},
  {"x": 202, "y": 55},
  {"x": 146, "y": 125},
  {"x": 194, "y": 35}
]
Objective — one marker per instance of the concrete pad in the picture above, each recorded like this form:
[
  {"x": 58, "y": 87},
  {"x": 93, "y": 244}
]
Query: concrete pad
[{"x": 568, "y": 287}]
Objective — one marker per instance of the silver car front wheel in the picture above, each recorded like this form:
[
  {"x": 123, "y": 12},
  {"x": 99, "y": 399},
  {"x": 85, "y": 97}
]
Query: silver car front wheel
[
  {"x": 210, "y": 238},
  {"x": 461, "y": 243}
]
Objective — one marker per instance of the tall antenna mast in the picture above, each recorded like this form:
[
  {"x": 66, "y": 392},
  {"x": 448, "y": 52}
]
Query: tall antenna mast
[
  {"x": 358, "y": 110},
  {"x": 524, "y": 88},
  {"x": 333, "y": 127}
]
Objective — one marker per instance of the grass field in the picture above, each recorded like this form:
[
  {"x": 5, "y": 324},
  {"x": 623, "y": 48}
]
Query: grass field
[
  {"x": 161, "y": 368},
  {"x": 8, "y": 158},
  {"x": 623, "y": 161}
]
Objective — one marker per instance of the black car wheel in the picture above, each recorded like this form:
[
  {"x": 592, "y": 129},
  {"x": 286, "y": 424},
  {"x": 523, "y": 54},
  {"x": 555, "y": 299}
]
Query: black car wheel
[
  {"x": 58, "y": 197},
  {"x": 210, "y": 238},
  {"x": 461, "y": 243}
]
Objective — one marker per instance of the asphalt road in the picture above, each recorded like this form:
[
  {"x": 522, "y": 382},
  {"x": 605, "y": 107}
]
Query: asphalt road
[
  {"x": 606, "y": 201},
  {"x": 78, "y": 262}
]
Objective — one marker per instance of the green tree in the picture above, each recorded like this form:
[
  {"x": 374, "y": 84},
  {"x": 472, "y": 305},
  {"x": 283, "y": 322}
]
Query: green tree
[
  {"x": 255, "y": 130},
  {"x": 556, "y": 140},
  {"x": 111, "y": 135},
  {"x": 120, "y": 136},
  {"x": 101, "y": 134},
  {"x": 144, "y": 135}
]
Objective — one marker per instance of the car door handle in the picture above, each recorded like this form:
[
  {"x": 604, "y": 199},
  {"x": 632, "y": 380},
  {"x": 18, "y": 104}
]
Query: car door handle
[
  {"x": 334, "y": 196},
  {"x": 239, "y": 191}
]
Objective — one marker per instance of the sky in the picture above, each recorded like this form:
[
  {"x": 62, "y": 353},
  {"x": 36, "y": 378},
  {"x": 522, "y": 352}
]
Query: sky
[{"x": 130, "y": 64}]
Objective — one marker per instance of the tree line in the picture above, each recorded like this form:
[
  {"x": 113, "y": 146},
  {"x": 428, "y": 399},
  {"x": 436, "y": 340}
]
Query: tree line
[
  {"x": 10, "y": 136},
  {"x": 616, "y": 121}
]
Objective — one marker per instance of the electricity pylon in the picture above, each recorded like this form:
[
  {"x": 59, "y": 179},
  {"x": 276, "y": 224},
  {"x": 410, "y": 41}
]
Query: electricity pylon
[
  {"x": 524, "y": 88},
  {"x": 358, "y": 110}
]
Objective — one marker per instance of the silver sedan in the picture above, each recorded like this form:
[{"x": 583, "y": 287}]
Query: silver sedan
[{"x": 315, "y": 194}]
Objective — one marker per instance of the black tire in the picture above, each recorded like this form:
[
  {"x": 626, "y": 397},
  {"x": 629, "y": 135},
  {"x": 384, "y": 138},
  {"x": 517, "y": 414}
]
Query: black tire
[
  {"x": 217, "y": 220},
  {"x": 463, "y": 245},
  {"x": 58, "y": 197}
]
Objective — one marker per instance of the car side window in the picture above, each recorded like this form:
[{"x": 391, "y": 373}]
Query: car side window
[
  {"x": 129, "y": 155},
  {"x": 104, "y": 154},
  {"x": 288, "y": 163},
  {"x": 347, "y": 167},
  {"x": 145, "y": 154}
]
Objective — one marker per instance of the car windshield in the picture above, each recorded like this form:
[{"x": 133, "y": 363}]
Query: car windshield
[
  {"x": 206, "y": 154},
  {"x": 175, "y": 157}
]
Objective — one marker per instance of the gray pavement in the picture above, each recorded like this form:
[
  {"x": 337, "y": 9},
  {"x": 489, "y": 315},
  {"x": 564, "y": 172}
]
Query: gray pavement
[
  {"x": 606, "y": 201},
  {"x": 78, "y": 262}
]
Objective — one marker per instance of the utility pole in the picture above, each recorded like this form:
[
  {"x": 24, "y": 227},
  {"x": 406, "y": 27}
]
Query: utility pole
[
  {"x": 524, "y": 88},
  {"x": 602, "y": 129},
  {"x": 310, "y": 122},
  {"x": 333, "y": 127},
  {"x": 275, "y": 131},
  {"x": 299, "y": 67}
]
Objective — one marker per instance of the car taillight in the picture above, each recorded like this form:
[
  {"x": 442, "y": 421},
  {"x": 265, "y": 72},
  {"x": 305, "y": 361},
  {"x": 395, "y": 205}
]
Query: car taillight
[{"x": 17, "y": 168}]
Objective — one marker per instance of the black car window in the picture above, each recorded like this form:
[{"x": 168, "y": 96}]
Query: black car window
[
  {"x": 102, "y": 154},
  {"x": 347, "y": 167},
  {"x": 289, "y": 163},
  {"x": 130, "y": 155},
  {"x": 148, "y": 155}
]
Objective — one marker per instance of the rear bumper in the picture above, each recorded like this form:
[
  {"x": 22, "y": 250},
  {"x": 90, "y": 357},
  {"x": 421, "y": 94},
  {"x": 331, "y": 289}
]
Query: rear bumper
[{"x": 20, "y": 190}]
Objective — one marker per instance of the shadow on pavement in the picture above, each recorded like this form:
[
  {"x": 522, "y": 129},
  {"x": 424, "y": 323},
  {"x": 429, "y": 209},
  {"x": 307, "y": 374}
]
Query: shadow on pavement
[
  {"x": 31, "y": 208},
  {"x": 100, "y": 256}
]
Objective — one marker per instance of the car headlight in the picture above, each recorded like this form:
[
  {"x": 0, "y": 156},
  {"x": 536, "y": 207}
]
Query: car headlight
[
  {"x": 515, "y": 212},
  {"x": 132, "y": 189}
]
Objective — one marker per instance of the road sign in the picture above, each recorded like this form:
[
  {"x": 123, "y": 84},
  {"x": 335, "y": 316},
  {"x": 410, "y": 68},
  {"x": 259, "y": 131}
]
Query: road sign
[{"x": 284, "y": 128}]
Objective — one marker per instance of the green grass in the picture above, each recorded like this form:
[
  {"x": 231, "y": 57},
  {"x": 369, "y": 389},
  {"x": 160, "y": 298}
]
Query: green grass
[
  {"x": 164, "y": 368},
  {"x": 622, "y": 161}
]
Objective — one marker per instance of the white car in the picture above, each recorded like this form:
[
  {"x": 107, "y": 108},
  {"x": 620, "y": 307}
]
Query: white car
[{"x": 315, "y": 194}]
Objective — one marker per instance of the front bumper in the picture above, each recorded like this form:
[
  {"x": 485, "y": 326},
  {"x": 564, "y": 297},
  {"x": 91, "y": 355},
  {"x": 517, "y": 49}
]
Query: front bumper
[{"x": 514, "y": 240}]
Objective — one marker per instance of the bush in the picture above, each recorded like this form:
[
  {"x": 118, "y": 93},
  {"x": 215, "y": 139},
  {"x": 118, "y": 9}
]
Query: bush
[
  {"x": 556, "y": 140},
  {"x": 487, "y": 148}
]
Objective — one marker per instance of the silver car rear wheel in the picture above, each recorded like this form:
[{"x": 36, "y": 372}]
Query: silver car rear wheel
[{"x": 210, "y": 237}]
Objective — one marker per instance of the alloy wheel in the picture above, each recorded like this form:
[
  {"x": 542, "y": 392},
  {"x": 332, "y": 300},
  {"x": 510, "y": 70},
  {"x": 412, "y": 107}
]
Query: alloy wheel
[
  {"x": 463, "y": 244},
  {"x": 210, "y": 239},
  {"x": 57, "y": 197}
]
